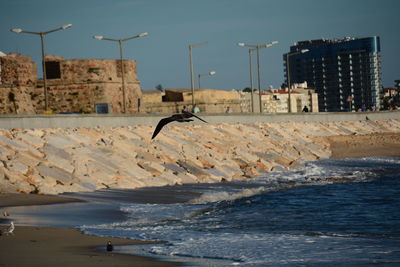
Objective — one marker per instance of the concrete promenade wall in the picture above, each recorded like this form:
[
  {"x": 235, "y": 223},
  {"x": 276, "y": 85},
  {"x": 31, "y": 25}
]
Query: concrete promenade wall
[{"x": 93, "y": 120}]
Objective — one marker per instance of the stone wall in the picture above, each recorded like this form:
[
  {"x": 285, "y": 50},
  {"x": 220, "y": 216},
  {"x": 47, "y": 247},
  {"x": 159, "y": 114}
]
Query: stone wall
[
  {"x": 52, "y": 161},
  {"x": 17, "y": 69},
  {"x": 18, "y": 100},
  {"x": 74, "y": 85},
  {"x": 17, "y": 85},
  {"x": 208, "y": 100},
  {"x": 83, "y": 83}
]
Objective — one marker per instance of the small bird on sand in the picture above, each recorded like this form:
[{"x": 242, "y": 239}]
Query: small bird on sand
[
  {"x": 10, "y": 229},
  {"x": 179, "y": 117}
]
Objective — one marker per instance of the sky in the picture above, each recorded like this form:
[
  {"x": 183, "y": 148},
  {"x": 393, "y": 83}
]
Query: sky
[{"x": 163, "y": 56}]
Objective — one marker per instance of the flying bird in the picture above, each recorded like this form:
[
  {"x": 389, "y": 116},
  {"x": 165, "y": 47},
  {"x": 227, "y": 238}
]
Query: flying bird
[{"x": 179, "y": 117}]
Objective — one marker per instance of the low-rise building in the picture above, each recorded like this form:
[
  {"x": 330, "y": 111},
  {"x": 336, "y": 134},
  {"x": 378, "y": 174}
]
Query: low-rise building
[
  {"x": 276, "y": 100},
  {"x": 217, "y": 101},
  {"x": 173, "y": 100}
]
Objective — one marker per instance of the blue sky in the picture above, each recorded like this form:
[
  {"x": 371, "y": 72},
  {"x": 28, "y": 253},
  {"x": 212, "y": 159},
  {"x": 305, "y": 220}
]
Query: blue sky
[{"x": 162, "y": 56}]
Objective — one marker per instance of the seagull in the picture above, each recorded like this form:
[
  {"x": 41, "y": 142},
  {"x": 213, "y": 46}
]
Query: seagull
[
  {"x": 10, "y": 229},
  {"x": 179, "y": 117}
]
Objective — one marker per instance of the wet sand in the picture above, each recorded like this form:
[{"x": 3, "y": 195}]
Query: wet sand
[
  {"x": 43, "y": 246},
  {"x": 13, "y": 199},
  {"x": 48, "y": 246}
]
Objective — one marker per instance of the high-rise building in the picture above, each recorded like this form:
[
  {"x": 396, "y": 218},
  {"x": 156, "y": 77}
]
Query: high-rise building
[
  {"x": 345, "y": 73},
  {"x": 397, "y": 85}
]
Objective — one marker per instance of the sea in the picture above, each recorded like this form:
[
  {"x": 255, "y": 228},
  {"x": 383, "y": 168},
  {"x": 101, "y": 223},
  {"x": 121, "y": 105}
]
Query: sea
[{"x": 331, "y": 212}]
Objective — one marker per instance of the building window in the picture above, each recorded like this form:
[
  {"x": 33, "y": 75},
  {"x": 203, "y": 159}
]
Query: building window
[
  {"x": 102, "y": 108},
  {"x": 53, "y": 70}
]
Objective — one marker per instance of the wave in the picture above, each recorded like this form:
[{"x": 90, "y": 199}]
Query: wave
[
  {"x": 309, "y": 176},
  {"x": 209, "y": 197}
]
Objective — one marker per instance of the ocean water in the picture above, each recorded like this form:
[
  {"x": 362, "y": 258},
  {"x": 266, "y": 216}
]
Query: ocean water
[
  {"x": 328, "y": 213},
  {"x": 331, "y": 212}
]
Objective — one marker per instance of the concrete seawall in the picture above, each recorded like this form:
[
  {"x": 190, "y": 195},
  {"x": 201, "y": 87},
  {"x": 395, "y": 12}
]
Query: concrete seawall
[
  {"x": 93, "y": 120},
  {"x": 63, "y": 153}
]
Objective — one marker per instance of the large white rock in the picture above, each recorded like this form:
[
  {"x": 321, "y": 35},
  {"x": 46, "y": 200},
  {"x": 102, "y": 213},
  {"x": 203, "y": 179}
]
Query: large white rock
[{"x": 55, "y": 173}]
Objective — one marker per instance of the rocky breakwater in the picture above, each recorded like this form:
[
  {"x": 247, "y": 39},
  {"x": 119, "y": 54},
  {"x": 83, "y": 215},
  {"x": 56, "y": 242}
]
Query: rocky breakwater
[{"x": 53, "y": 161}]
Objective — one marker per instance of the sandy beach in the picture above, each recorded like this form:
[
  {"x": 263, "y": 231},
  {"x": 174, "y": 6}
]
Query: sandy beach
[
  {"x": 43, "y": 246},
  {"x": 355, "y": 146},
  {"x": 47, "y": 246}
]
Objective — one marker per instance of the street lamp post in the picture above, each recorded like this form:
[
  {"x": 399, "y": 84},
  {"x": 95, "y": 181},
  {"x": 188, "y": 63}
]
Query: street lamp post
[
  {"x": 211, "y": 73},
  {"x": 257, "y": 48},
  {"x": 288, "y": 75},
  {"x": 42, "y": 34},
  {"x": 251, "y": 82},
  {"x": 120, "y": 41},
  {"x": 191, "y": 67}
]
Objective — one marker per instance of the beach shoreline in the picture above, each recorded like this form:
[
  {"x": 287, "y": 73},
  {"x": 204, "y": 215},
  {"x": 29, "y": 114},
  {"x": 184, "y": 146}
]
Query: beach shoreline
[
  {"x": 70, "y": 247},
  {"x": 47, "y": 246}
]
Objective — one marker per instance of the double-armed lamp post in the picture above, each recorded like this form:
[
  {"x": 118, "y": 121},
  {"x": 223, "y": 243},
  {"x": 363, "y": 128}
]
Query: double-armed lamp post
[
  {"x": 288, "y": 75},
  {"x": 256, "y": 48},
  {"x": 42, "y": 34},
  {"x": 211, "y": 73},
  {"x": 120, "y": 41},
  {"x": 191, "y": 67}
]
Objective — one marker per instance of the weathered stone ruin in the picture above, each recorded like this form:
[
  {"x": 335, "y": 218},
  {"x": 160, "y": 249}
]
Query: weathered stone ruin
[
  {"x": 75, "y": 85},
  {"x": 18, "y": 80}
]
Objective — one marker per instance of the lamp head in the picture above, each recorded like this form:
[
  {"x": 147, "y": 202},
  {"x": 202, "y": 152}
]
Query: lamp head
[
  {"x": 212, "y": 72},
  {"x": 143, "y": 34},
  {"x": 241, "y": 44},
  {"x": 274, "y": 42},
  {"x": 98, "y": 37},
  {"x": 304, "y": 51},
  {"x": 16, "y": 30},
  {"x": 66, "y": 26}
]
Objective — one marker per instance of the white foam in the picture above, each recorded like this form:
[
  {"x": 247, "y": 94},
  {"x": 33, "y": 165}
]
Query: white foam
[{"x": 228, "y": 196}]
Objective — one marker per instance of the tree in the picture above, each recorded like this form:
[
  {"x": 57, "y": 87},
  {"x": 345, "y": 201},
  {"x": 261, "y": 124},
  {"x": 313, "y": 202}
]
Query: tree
[
  {"x": 248, "y": 90},
  {"x": 160, "y": 88}
]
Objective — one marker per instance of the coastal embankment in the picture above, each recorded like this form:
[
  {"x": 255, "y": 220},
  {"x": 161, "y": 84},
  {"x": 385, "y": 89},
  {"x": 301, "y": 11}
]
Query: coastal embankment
[{"x": 56, "y": 154}]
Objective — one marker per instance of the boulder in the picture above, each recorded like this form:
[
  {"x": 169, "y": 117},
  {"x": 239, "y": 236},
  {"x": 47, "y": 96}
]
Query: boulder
[{"x": 60, "y": 175}]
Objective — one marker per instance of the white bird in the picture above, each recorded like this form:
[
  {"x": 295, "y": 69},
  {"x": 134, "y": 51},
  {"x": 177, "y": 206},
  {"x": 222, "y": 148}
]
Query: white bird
[
  {"x": 5, "y": 213},
  {"x": 10, "y": 229}
]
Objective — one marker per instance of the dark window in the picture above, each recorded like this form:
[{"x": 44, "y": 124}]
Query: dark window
[
  {"x": 102, "y": 108},
  {"x": 53, "y": 70}
]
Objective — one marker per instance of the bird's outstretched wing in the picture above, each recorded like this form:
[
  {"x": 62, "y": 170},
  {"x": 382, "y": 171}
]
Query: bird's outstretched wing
[
  {"x": 161, "y": 124},
  {"x": 181, "y": 117},
  {"x": 189, "y": 114},
  {"x": 199, "y": 118}
]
